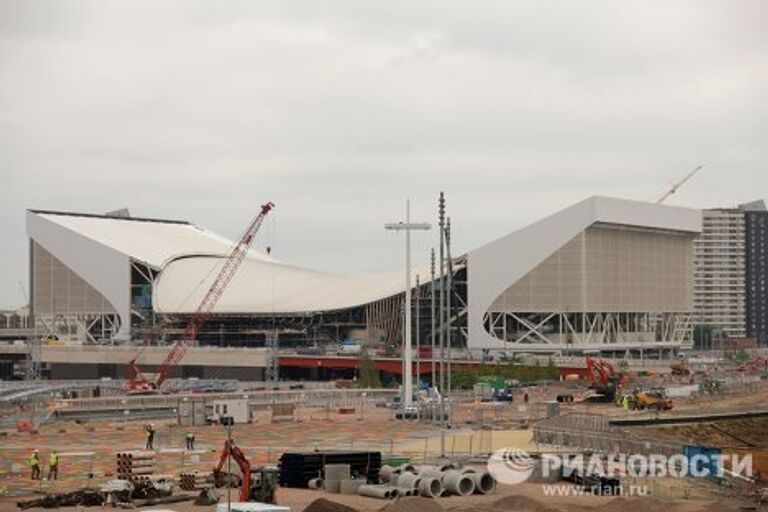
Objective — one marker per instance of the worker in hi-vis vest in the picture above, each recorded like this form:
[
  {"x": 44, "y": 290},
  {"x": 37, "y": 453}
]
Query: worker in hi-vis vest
[
  {"x": 53, "y": 465},
  {"x": 34, "y": 464}
]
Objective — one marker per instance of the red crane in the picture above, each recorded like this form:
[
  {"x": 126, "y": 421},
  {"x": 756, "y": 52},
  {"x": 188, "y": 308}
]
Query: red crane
[
  {"x": 604, "y": 378},
  {"x": 138, "y": 382}
]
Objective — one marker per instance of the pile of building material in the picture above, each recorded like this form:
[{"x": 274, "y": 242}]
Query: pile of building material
[
  {"x": 429, "y": 482},
  {"x": 298, "y": 468},
  {"x": 338, "y": 479},
  {"x": 195, "y": 480},
  {"x": 134, "y": 464},
  {"x": 79, "y": 498}
]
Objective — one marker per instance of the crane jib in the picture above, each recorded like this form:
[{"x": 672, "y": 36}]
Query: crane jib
[{"x": 232, "y": 262}]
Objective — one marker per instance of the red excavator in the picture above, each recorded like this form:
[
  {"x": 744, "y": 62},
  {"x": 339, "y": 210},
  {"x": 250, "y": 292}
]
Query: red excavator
[
  {"x": 257, "y": 484},
  {"x": 141, "y": 383},
  {"x": 604, "y": 379},
  {"x": 755, "y": 365}
]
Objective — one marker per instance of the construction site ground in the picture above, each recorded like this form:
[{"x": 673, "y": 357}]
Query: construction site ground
[{"x": 88, "y": 455}]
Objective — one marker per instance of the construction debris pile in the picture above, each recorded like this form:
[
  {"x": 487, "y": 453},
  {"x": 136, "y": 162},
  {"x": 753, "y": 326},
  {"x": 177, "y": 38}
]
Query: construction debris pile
[
  {"x": 298, "y": 468},
  {"x": 118, "y": 492}
]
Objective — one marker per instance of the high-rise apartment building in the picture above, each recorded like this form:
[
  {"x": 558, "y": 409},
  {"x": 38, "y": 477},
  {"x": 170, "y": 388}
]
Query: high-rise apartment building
[
  {"x": 730, "y": 271},
  {"x": 719, "y": 272},
  {"x": 756, "y": 227}
]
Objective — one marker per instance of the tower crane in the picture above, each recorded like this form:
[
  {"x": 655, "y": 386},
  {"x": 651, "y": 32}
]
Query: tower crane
[
  {"x": 675, "y": 186},
  {"x": 139, "y": 382}
]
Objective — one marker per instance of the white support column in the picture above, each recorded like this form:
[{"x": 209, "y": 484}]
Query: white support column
[{"x": 407, "y": 226}]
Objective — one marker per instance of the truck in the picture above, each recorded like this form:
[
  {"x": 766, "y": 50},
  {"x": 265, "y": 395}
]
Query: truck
[{"x": 350, "y": 349}]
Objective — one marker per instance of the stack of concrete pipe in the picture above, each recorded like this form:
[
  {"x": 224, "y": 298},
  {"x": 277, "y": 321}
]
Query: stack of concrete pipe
[{"x": 430, "y": 482}]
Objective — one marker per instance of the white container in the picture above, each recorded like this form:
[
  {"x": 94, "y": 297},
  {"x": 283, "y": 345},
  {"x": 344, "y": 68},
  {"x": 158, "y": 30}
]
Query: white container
[{"x": 236, "y": 408}]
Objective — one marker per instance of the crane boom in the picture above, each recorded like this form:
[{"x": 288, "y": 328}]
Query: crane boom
[
  {"x": 675, "y": 186},
  {"x": 232, "y": 262}
]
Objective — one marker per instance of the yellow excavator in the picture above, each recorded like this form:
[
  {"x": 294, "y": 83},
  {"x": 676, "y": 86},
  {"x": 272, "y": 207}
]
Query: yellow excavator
[
  {"x": 653, "y": 399},
  {"x": 681, "y": 368}
]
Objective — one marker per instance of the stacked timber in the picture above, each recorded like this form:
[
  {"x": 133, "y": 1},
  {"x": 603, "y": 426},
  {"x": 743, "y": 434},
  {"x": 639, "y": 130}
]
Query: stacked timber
[
  {"x": 134, "y": 464},
  {"x": 195, "y": 480}
]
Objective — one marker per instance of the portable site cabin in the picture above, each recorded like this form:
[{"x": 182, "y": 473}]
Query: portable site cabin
[{"x": 236, "y": 408}]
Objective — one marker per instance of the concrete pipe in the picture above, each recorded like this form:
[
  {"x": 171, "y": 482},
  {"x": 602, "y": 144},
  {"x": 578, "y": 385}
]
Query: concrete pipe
[
  {"x": 408, "y": 481},
  {"x": 316, "y": 483},
  {"x": 430, "y": 487},
  {"x": 408, "y": 468},
  {"x": 448, "y": 467},
  {"x": 406, "y": 491},
  {"x": 455, "y": 482},
  {"x": 382, "y": 492},
  {"x": 465, "y": 471},
  {"x": 431, "y": 473},
  {"x": 484, "y": 483},
  {"x": 388, "y": 473}
]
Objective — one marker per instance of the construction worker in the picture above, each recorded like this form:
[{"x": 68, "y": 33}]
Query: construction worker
[
  {"x": 190, "y": 441},
  {"x": 34, "y": 464},
  {"x": 53, "y": 465},
  {"x": 625, "y": 403},
  {"x": 150, "y": 436}
]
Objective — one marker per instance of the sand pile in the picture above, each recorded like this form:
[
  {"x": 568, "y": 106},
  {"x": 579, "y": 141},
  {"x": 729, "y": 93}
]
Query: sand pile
[
  {"x": 414, "y": 504},
  {"x": 324, "y": 505},
  {"x": 632, "y": 505},
  {"x": 509, "y": 504}
]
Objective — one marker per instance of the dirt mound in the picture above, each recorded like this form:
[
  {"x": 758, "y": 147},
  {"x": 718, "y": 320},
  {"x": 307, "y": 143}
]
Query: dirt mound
[
  {"x": 324, "y": 505},
  {"x": 725, "y": 506},
  {"x": 522, "y": 504},
  {"x": 414, "y": 504},
  {"x": 632, "y": 505}
]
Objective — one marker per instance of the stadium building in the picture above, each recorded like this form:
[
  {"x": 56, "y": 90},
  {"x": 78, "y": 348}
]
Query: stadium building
[{"x": 604, "y": 275}]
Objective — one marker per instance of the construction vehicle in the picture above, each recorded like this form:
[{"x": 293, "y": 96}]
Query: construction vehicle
[
  {"x": 141, "y": 383},
  {"x": 655, "y": 399},
  {"x": 256, "y": 484},
  {"x": 681, "y": 368},
  {"x": 604, "y": 379}
]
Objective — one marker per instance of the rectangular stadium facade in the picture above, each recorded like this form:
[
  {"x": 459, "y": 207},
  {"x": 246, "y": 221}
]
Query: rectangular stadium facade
[{"x": 604, "y": 275}]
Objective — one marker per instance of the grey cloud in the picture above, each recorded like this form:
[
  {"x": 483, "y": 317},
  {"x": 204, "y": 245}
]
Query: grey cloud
[{"x": 339, "y": 110}]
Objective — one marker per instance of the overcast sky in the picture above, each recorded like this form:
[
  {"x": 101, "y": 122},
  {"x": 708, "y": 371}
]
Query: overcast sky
[{"x": 339, "y": 110}]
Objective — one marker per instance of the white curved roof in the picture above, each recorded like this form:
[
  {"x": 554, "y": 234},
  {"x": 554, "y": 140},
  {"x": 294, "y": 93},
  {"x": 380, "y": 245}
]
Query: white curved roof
[
  {"x": 497, "y": 265},
  {"x": 98, "y": 248},
  {"x": 151, "y": 241},
  {"x": 267, "y": 287}
]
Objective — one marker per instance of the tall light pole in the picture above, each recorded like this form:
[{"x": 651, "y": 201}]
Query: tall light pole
[
  {"x": 449, "y": 286},
  {"x": 407, "y": 226},
  {"x": 432, "y": 304},
  {"x": 418, "y": 332},
  {"x": 441, "y": 212}
]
